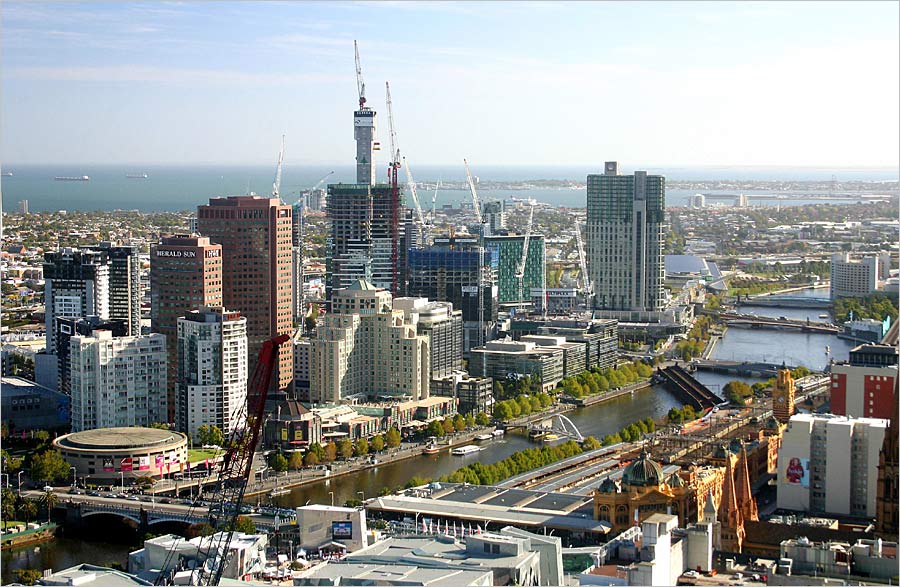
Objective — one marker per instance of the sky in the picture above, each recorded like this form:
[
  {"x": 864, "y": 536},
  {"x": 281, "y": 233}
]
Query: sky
[{"x": 500, "y": 83}]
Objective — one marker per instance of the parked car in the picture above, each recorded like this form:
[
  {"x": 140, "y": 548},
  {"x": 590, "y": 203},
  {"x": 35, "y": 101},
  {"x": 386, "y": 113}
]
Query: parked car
[{"x": 47, "y": 488}]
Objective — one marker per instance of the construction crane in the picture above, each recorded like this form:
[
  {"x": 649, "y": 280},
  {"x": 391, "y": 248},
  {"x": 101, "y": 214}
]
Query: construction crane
[
  {"x": 415, "y": 195},
  {"x": 520, "y": 269},
  {"x": 393, "y": 168},
  {"x": 236, "y": 469},
  {"x": 434, "y": 201},
  {"x": 587, "y": 284},
  {"x": 481, "y": 267},
  {"x": 360, "y": 84},
  {"x": 395, "y": 153},
  {"x": 276, "y": 185}
]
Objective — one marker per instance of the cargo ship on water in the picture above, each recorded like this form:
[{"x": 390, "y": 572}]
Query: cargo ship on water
[
  {"x": 137, "y": 175},
  {"x": 6, "y": 174},
  {"x": 74, "y": 178}
]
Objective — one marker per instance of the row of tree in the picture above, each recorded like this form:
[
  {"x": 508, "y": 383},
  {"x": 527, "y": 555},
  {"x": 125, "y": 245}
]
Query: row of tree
[
  {"x": 599, "y": 380},
  {"x": 633, "y": 432},
  {"x": 697, "y": 338},
  {"x": 331, "y": 451},
  {"x": 519, "y": 462},
  {"x": 761, "y": 386},
  {"x": 523, "y": 405},
  {"x": 876, "y": 306},
  {"x": 682, "y": 414}
]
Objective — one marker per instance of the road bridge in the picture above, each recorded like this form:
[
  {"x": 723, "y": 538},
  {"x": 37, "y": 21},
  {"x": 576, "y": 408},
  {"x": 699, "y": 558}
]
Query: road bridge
[
  {"x": 785, "y": 302},
  {"x": 745, "y": 368},
  {"x": 764, "y": 322}
]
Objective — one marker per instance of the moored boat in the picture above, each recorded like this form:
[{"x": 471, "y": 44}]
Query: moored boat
[
  {"x": 484, "y": 437},
  {"x": 465, "y": 450}
]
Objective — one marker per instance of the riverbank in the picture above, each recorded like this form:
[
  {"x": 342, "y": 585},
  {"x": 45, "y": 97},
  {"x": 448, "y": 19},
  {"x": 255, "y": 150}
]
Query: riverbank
[
  {"x": 591, "y": 400},
  {"x": 40, "y": 534}
]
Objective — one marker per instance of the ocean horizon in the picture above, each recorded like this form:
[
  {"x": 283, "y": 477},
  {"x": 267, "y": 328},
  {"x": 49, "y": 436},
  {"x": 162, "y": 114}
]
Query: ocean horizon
[{"x": 183, "y": 187}]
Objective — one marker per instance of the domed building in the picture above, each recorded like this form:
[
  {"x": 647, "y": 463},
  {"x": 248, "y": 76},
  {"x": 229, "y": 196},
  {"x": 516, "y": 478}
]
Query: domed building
[{"x": 645, "y": 489}]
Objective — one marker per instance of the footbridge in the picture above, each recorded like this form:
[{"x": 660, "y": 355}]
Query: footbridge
[
  {"x": 558, "y": 424},
  {"x": 687, "y": 389}
]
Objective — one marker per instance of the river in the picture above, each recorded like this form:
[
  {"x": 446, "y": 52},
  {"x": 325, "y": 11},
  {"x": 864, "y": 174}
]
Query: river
[{"x": 793, "y": 348}]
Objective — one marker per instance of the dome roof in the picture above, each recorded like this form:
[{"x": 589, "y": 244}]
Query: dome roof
[{"x": 644, "y": 472}]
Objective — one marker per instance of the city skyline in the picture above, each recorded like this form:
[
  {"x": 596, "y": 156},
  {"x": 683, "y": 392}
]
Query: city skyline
[{"x": 710, "y": 83}]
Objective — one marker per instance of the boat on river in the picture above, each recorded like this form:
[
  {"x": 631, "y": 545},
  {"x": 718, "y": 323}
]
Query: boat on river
[
  {"x": 551, "y": 437},
  {"x": 465, "y": 450},
  {"x": 498, "y": 433},
  {"x": 482, "y": 437},
  {"x": 279, "y": 491}
]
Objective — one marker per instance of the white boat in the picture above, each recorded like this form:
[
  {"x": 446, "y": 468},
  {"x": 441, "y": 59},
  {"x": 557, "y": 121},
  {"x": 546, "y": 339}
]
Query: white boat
[
  {"x": 277, "y": 492},
  {"x": 823, "y": 315},
  {"x": 136, "y": 175},
  {"x": 67, "y": 178},
  {"x": 498, "y": 432},
  {"x": 484, "y": 437},
  {"x": 465, "y": 450}
]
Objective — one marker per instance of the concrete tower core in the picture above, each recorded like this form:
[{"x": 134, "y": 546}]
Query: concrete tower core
[{"x": 364, "y": 133}]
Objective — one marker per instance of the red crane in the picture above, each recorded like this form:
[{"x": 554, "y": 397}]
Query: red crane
[{"x": 237, "y": 466}]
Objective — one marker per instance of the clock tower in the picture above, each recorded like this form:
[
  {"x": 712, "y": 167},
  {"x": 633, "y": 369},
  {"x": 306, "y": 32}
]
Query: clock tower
[{"x": 783, "y": 396}]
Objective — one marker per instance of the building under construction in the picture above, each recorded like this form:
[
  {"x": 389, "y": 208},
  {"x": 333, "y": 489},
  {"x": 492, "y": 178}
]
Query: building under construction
[{"x": 365, "y": 231}]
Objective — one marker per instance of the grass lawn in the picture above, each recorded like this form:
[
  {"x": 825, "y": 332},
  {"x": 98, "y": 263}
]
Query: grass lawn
[
  {"x": 12, "y": 523},
  {"x": 195, "y": 455}
]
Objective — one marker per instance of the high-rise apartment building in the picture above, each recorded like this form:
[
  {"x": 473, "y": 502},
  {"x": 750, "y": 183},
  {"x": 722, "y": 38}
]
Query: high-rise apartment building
[
  {"x": 853, "y": 278},
  {"x": 365, "y": 349},
  {"x": 255, "y": 234},
  {"x": 829, "y": 464},
  {"x": 124, "y": 285},
  {"x": 212, "y": 370},
  {"x": 625, "y": 237},
  {"x": 364, "y": 237},
  {"x": 76, "y": 284},
  {"x": 444, "y": 328},
  {"x": 507, "y": 249},
  {"x": 185, "y": 274},
  {"x": 117, "y": 381},
  {"x": 66, "y": 328},
  {"x": 449, "y": 271}
]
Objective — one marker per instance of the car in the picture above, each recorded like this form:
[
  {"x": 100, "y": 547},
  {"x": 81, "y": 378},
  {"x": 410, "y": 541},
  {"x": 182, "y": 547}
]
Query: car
[
  {"x": 186, "y": 502},
  {"x": 47, "y": 488},
  {"x": 166, "y": 500},
  {"x": 110, "y": 495},
  {"x": 691, "y": 574},
  {"x": 146, "y": 498},
  {"x": 95, "y": 494},
  {"x": 133, "y": 498}
]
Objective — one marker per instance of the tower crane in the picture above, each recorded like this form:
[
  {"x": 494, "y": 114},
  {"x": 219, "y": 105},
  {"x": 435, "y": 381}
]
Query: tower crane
[
  {"x": 276, "y": 185},
  {"x": 412, "y": 190},
  {"x": 520, "y": 269},
  {"x": 235, "y": 471},
  {"x": 587, "y": 283},
  {"x": 434, "y": 201},
  {"x": 360, "y": 84},
  {"x": 481, "y": 219}
]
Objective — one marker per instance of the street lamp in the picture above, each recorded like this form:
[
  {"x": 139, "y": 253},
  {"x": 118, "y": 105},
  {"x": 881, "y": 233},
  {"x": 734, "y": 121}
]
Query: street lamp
[
  {"x": 19, "y": 477},
  {"x": 362, "y": 495},
  {"x": 331, "y": 493},
  {"x": 122, "y": 474},
  {"x": 74, "y": 477}
]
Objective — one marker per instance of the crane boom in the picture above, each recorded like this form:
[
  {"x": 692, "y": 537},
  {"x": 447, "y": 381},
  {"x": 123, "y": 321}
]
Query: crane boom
[
  {"x": 395, "y": 148},
  {"x": 238, "y": 461},
  {"x": 360, "y": 84},
  {"x": 520, "y": 269},
  {"x": 586, "y": 283},
  {"x": 276, "y": 185},
  {"x": 321, "y": 181},
  {"x": 475, "y": 201},
  {"x": 412, "y": 190}
]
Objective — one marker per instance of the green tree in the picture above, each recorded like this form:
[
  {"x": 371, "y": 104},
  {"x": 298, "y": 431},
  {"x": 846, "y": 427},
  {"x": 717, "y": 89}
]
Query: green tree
[
  {"x": 28, "y": 509},
  {"x": 278, "y": 463},
  {"x": 435, "y": 428},
  {"x": 362, "y": 447},
  {"x": 377, "y": 444},
  {"x": 8, "y": 504},
  {"x": 49, "y": 466},
  {"x": 28, "y": 576},
  {"x": 482, "y": 419},
  {"x": 310, "y": 459},
  {"x": 245, "y": 525},
  {"x": 48, "y": 501},
  {"x": 392, "y": 438},
  {"x": 317, "y": 449},
  {"x": 590, "y": 443},
  {"x": 42, "y": 436},
  {"x": 448, "y": 426},
  {"x": 459, "y": 422},
  {"x": 330, "y": 452},
  {"x": 160, "y": 426},
  {"x": 502, "y": 411},
  {"x": 295, "y": 463},
  {"x": 345, "y": 448},
  {"x": 469, "y": 420}
]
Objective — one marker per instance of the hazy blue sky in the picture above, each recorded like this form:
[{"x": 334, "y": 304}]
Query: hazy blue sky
[{"x": 500, "y": 83}]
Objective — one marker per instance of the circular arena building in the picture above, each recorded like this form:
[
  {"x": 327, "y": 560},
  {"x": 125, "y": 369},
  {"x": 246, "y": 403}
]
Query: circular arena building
[{"x": 108, "y": 454}]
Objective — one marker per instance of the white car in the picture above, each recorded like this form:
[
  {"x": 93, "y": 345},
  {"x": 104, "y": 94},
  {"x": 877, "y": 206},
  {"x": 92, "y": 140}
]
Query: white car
[
  {"x": 691, "y": 574},
  {"x": 47, "y": 488}
]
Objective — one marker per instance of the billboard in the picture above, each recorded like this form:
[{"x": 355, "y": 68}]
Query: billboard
[
  {"x": 797, "y": 472},
  {"x": 144, "y": 463},
  {"x": 342, "y": 529},
  {"x": 108, "y": 465},
  {"x": 126, "y": 464}
]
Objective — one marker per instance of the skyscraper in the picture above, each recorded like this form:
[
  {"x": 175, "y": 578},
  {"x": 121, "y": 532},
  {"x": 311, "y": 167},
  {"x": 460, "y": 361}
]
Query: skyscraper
[
  {"x": 124, "y": 285},
  {"x": 255, "y": 234},
  {"x": 212, "y": 370},
  {"x": 185, "y": 274},
  {"x": 625, "y": 236},
  {"x": 364, "y": 132},
  {"x": 507, "y": 249},
  {"x": 76, "y": 285}
]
